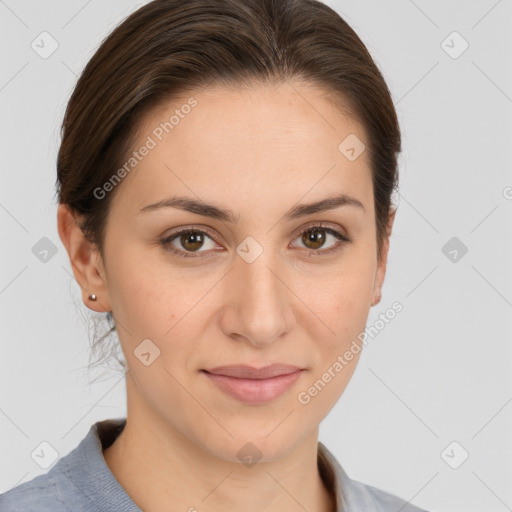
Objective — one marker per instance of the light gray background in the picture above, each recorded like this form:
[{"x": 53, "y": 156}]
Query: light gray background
[{"x": 438, "y": 373}]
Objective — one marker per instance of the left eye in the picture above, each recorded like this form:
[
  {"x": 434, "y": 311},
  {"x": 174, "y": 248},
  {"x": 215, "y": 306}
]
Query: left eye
[
  {"x": 316, "y": 235},
  {"x": 191, "y": 240}
]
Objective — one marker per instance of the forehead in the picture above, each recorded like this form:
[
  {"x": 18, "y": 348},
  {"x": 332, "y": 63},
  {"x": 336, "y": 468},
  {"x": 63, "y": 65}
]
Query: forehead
[{"x": 228, "y": 141}]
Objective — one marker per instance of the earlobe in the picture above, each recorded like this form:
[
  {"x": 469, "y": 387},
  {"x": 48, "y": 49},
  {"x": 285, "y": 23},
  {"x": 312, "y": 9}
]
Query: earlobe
[
  {"x": 84, "y": 259},
  {"x": 391, "y": 219},
  {"x": 378, "y": 296}
]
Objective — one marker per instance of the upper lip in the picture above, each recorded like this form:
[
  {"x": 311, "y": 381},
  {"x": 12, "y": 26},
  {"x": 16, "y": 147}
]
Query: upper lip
[{"x": 249, "y": 372}]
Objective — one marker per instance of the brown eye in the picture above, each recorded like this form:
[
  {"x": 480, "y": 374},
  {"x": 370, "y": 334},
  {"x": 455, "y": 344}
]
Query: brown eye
[
  {"x": 314, "y": 238},
  {"x": 187, "y": 242},
  {"x": 192, "y": 240}
]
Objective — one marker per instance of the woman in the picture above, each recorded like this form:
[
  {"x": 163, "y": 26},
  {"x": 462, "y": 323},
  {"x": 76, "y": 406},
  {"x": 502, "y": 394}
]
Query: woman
[{"x": 224, "y": 181}]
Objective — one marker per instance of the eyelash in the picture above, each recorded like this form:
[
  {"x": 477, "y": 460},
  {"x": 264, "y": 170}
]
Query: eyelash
[{"x": 165, "y": 242}]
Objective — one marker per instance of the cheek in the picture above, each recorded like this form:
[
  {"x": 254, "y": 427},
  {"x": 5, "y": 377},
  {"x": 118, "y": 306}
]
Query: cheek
[
  {"x": 148, "y": 293},
  {"x": 344, "y": 309},
  {"x": 165, "y": 304},
  {"x": 342, "y": 297}
]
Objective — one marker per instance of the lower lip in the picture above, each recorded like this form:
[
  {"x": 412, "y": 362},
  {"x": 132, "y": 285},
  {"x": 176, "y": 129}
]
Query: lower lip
[{"x": 254, "y": 391}]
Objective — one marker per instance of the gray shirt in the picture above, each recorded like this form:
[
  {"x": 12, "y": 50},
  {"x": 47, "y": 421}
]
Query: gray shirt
[{"x": 82, "y": 481}]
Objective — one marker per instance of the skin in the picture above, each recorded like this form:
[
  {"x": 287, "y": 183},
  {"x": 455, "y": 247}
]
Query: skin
[{"x": 257, "y": 152}]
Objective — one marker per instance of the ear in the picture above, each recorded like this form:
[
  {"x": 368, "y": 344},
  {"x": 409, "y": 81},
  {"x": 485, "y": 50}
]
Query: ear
[
  {"x": 382, "y": 265},
  {"x": 85, "y": 261}
]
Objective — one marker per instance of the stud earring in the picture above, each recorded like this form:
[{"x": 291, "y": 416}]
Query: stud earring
[{"x": 92, "y": 296}]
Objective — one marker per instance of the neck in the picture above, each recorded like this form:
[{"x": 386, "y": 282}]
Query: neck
[{"x": 157, "y": 465}]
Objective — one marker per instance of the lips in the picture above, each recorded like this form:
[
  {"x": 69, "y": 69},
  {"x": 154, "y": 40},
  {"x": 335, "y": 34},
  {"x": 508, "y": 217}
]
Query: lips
[
  {"x": 249, "y": 372},
  {"x": 254, "y": 385}
]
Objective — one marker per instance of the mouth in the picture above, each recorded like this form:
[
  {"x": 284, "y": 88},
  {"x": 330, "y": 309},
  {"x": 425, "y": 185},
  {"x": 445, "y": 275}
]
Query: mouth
[
  {"x": 242, "y": 371},
  {"x": 252, "y": 385}
]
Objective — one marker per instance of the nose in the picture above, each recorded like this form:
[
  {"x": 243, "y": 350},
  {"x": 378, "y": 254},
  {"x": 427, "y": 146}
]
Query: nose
[{"x": 259, "y": 303}]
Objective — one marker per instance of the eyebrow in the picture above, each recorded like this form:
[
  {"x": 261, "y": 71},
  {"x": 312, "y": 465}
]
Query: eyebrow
[{"x": 209, "y": 210}]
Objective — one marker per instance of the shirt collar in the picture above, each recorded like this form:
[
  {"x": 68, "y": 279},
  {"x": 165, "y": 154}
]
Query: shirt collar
[
  {"x": 350, "y": 496},
  {"x": 87, "y": 469}
]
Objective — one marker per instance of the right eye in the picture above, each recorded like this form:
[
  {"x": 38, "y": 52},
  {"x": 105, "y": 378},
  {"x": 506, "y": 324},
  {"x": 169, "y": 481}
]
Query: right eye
[{"x": 190, "y": 240}]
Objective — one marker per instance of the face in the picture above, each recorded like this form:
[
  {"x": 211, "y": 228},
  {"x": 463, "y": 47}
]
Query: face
[{"x": 265, "y": 286}]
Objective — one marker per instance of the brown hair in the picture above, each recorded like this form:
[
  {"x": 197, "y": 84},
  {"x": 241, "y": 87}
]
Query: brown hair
[{"x": 169, "y": 47}]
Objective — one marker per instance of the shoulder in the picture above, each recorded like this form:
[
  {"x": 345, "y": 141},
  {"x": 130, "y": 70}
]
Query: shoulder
[
  {"x": 354, "y": 496},
  {"x": 41, "y": 494},
  {"x": 80, "y": 481},
  {"x": 381, "y": 500},
  {"x": 54, "y": 491},
  {"x": 57, "y": 490}
]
